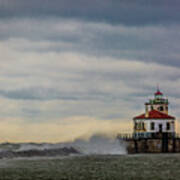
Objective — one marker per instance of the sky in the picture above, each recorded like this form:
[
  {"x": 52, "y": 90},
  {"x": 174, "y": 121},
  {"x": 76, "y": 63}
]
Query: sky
[{"x": 71, "y": 69}]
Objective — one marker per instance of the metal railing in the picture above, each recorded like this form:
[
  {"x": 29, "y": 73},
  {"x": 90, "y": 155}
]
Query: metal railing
[{"x": 132, "y": 136}]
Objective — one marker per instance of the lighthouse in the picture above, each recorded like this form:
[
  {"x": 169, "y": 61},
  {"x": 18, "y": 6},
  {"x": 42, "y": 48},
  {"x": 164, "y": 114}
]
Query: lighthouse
[{"x": 156, "y": 120}]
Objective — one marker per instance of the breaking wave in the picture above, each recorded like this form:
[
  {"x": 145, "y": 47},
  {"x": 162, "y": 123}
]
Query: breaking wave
[{"x": 97, "y": 144}]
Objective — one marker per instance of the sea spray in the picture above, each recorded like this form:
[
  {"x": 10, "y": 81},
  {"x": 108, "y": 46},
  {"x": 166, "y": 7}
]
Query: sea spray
[{"x": 97, "y": 144}]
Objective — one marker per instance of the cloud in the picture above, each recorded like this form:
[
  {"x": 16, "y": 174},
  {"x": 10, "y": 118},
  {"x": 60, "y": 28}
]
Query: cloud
[
  {"x": 125, "y": 12},
  {"x": 56, "y": 70},
  {"x": 82, "y": 85},
  {"x": 144, "y": 43}
]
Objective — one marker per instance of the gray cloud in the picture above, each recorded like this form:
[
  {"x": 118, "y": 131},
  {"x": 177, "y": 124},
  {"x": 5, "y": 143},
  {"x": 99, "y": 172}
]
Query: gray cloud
[
  {"x": 155, "y": 43},
  {"x": 65, "y": 60},
  {"x": 104, "y": 87},
  {"x": 45, "y": 94},
  {"x": 125, "y": 12}
]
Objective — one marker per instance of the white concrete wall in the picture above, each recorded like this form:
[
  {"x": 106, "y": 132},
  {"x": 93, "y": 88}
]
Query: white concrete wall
[{"x": 157, "y": 122}]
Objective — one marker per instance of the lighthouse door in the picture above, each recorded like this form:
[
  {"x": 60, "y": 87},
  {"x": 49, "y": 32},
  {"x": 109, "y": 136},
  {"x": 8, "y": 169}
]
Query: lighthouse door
[{"x": 160, "y": 128}]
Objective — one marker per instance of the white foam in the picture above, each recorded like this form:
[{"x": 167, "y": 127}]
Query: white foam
[{"x": 97, "y": 144}]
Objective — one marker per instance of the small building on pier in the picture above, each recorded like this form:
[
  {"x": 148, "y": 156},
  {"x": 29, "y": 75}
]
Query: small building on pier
[{"x": 156, "y": 119}]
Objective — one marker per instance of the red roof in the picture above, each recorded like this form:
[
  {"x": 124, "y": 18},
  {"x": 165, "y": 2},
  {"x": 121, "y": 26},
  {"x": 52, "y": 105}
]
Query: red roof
[
  {"x": 155, "y": 115},
  {"x": 158, "y": 92}
]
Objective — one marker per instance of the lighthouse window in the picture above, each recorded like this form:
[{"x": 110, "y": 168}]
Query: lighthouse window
[
  {"x": 161, "y": 108},
  {"x": 152, "y": 126},
  {"x": 168, "y": 126},
  {"x": 143, "y": 128}
]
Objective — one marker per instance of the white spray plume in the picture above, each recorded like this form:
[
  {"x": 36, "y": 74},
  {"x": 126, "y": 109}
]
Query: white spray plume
[
  {"x": 99, "y": 144},
  {"x": 96, "y": 144}
]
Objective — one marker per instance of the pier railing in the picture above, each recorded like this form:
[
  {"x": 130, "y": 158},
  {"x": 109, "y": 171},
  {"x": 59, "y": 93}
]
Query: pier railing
[
  {"x": 131, "y": 136},
  {"x": 125, "y": 136}
]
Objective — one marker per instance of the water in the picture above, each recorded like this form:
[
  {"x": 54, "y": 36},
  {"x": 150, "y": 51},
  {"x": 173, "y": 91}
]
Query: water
[
  {"x": 144, "y": 166},
  {"x": 97, "y": 144}
]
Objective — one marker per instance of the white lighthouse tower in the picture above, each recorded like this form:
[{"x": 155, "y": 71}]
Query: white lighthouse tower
[{"x": 156, "y": 119}]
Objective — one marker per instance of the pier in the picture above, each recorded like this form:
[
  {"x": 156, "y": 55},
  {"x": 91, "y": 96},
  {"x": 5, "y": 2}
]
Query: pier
[{"x": 160, "y": 143}]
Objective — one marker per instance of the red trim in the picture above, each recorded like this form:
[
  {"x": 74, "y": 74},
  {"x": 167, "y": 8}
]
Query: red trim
[
  {"x": 158, "y": 93},
  {"x": 154, "y": 115}
]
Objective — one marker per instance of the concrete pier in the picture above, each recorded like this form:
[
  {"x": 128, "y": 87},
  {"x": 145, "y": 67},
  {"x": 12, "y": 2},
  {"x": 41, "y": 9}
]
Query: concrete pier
[{"x": 163, "y": 144}]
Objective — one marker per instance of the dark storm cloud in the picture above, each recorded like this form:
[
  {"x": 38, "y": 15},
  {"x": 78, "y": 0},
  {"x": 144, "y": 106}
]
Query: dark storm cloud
[
  {"x": 45, "y": 94},
  {"x": 130, "y": 12}
]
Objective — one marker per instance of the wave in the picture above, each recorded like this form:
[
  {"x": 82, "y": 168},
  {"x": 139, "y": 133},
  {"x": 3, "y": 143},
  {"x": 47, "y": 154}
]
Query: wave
[{"x": 97, "y": 144}]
